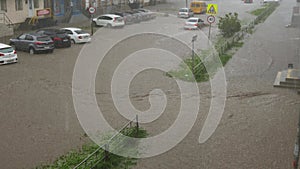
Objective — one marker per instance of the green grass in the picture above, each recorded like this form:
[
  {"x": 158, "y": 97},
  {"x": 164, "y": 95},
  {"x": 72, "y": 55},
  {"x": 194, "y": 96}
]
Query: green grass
[
  {"x": 72, "y": 158},
  {"x": 258, "y": 12},
  {"x": 194, "y": 69}
]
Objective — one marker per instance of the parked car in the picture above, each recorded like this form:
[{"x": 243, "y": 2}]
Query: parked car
[
  {"x": 77, "y": 35},
  {"x": 33, "y": 43},
  {"x": 109, "y": 20},
  {"x": 148, "y": 13},
  {"x": 270, "y": 1},
  {"x": 194, "y": 23},
  {"x": 59, "y": 37},
  {"x": 144, "y": 16},
  {"x": 248, "y": 1},
  {"x": 7, "y": 54},
  {"x": 136, "y": 15},
  {"x": 128, "y": 18},
  {"x": 185, "y": 13}
]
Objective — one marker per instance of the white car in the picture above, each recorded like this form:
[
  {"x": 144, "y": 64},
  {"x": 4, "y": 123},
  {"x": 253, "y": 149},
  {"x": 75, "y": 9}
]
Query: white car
[
  {"x": 77, "y": 35},
  {"x": 194, "y": 23},
  {"x": 109, "y": 20},
  {"x": 185, "y": 13},
  {"x": 268, "y": 1},
  {"x": 7, "y": 54}
]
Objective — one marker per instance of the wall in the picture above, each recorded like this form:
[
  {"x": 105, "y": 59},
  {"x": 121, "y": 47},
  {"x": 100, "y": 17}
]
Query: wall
[{"x": 20, "y": 16}]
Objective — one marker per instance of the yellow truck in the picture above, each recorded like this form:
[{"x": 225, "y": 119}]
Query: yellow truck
[{"x": 198, "y": 7}]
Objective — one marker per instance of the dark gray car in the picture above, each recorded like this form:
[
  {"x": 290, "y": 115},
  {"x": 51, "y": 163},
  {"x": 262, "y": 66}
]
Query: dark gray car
[{"x": 33, "y": 43}]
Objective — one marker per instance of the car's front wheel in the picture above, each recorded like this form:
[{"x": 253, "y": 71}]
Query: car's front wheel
[{"x": 31, "y": 51}]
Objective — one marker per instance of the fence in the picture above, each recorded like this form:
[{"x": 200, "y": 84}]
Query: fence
[{"x": 115, "y": 142}]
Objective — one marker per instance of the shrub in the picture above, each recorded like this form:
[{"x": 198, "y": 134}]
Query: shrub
[{"x": 229, "y": 24}]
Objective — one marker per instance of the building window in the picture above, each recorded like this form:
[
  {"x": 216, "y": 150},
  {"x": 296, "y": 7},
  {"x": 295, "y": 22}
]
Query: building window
[
  {"x": 3, "y": 6},
  {"x": 19, "y": 5},
  {"x": 36, "y": 3}
]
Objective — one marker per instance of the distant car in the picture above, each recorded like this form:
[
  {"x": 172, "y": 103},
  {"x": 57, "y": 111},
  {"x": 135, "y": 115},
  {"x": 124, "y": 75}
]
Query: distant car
[
  {"x": 248, "y": 1},
  {"x": 136, "y": 16},
  {"x": 59, "y": 37},
  {"x": 143, "y": 15},
  {"x": 128, "y": 18},
  {"x": 77, "y": 35},
  {"x": 139, "y": 15},
  {"x": 109, "y": 20},
  {"x": 33, "y": 43},
  {"x": 185, "y": 13},
  {"x": 268, "y": 1},
  {"x": 148, "y": 13},
  {"x": 194, "y": 23},
  {"x": 7, "y": 54}
]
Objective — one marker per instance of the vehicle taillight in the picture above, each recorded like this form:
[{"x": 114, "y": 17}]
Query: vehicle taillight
[
  {"x": 15, "y": 52},
  {"x": 79, "y": 37},
  {"x": 114, "y": 20},
  {"x": 38, "y": 43},
  {"x": 57, "y": 39},
  {"x": 196, "y": 24},
  {"x": 1, "y": 54}
]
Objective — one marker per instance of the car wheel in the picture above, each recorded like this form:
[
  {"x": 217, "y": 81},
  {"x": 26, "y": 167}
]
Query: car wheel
[
  {"x": 109, "y": 25},
  {"x": 73, "y": 41},
  {"x": 94, "y": 24},
  {"x": 51, "y": 51},
  {"x": 31, "y": 51}
]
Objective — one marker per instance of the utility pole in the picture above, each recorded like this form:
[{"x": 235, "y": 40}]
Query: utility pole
[
  {"x": 186, "y": 3},
  {"x": 193, "y": 53}
]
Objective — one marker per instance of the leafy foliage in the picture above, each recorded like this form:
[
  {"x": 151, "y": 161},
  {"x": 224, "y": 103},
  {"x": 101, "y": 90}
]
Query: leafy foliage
[
  {"x": 113, "y": 161},
  {"x": 229, "y": 24}
]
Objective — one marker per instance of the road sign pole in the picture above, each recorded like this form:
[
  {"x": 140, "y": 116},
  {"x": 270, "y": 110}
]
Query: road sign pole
[
  {"x": 92, "y": 10},
  {"x": 209, "y": 30},
  {"x": 92, "y": 25}
]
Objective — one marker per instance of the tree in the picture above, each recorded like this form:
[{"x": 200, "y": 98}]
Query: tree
[{"x": 229, "y": 25}]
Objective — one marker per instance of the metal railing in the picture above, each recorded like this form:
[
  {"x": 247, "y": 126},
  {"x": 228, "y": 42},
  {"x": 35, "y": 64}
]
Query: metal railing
[
  {"x": 102, "y": 152},
  {"x": 5, "y": 19}
]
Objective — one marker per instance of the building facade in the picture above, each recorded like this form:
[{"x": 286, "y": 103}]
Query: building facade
[{"x": 18, "y": 10}]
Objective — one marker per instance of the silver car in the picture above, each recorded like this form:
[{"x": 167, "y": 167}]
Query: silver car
[
  {"x": 33, "y": 43},
  {"x": 185, "y": 13}
]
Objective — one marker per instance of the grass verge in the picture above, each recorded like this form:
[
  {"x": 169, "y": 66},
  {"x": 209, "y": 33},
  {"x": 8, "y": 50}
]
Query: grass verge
[
  {"x": 112, "y": 161},
  {"x": 195, "y": 70}
]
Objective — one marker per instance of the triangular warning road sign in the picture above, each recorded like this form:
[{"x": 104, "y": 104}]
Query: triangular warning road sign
[{"x": 212, "y": 9}]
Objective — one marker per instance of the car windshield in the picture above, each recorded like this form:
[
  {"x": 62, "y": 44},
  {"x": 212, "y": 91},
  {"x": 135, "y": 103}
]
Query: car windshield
[
  {"x": 119, "y": 18},
  {"x": 183, "y": 10},
  {"x": 192, "y": 20},
  {"x": 80, "y": 31},
  {"x": 43, "y": 38},
  {"x": 6, "y": 50},
  {"x": 61, "y": 34}
]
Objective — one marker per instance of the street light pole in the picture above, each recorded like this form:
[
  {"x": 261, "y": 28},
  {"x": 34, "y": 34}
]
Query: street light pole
[{"x": 186, "y": 3}]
